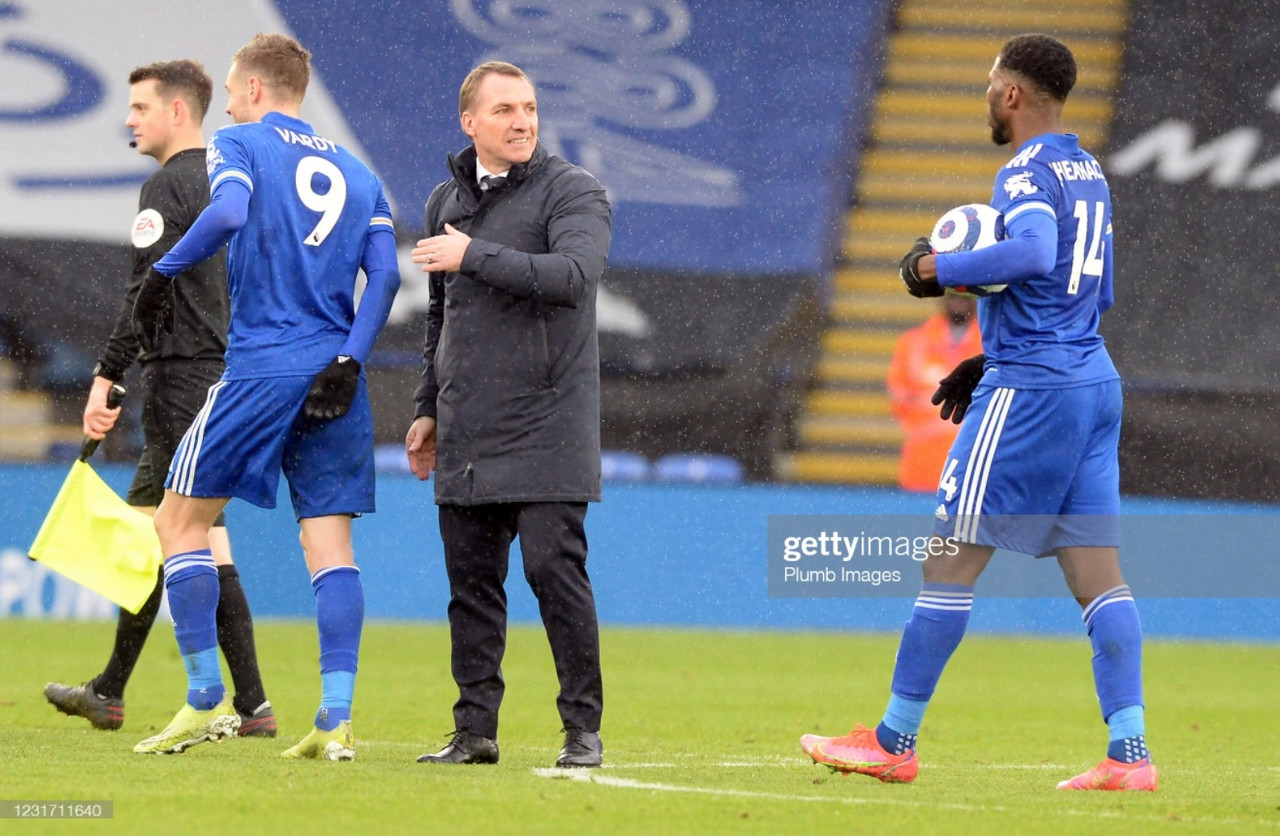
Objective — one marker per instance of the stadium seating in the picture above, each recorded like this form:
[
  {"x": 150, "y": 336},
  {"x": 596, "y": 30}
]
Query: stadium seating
[
  {"x": 621, "y": 466},
  {"x": 698, "y": 468}
]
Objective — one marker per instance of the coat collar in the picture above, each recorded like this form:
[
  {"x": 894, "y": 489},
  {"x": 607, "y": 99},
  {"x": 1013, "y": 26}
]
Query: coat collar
[{"x": 463, "y": 167}]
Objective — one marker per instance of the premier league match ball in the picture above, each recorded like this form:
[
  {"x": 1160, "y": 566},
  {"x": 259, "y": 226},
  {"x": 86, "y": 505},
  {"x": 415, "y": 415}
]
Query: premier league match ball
[{"x": 969, "y": 227}]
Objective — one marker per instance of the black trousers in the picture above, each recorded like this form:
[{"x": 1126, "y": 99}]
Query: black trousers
[{"x": 477, "y": 545}]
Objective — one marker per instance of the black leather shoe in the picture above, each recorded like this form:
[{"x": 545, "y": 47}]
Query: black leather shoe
[
  {"x": 581, "y": 749},
  {"x": 465, "y": 747}
]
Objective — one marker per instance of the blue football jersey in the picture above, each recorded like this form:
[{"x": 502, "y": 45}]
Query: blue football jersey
[
  {"x": 1042, "y": 332},
  {"x": 292, "y": 267}
]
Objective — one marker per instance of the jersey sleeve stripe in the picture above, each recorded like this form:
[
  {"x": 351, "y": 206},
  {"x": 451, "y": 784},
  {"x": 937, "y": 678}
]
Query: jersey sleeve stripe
[
  {"x": 382, "y": 222},
  {"x": 1033, "y": 206},
  {"x": 239, "y": 175}
]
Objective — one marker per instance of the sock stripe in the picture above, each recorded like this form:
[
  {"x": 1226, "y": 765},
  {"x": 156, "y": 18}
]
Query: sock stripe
[
  {"x": 321, "y": 573},
  {"x": 947, "y": 606},
  {"x": 1111, "y": 596},
  {"x": 930, "y": 599},
  {"x": 189, "y": 560}
]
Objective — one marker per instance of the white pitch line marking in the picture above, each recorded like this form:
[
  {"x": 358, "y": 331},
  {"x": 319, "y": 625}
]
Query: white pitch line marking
[
  {"x": 586, "y": 776},
  {"x": 593, "y": 777}
]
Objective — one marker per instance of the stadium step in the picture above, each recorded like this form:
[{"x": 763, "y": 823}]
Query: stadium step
[
  {"x": 968, "y": 133},
  {"x": 829, "y": 432},
  {"x": 966, "y": 74},
  {"x": 844, "y": 370},
  {"x": 929, "y": 149},
  {"x": 26, "y": 428},
  {"x": 840, "y": 468},
  {"x": 924, "y": 44},
  {"x": 848, "y": 402},
  {"x": 863, "y": 280},
  {"x": 896, "y": 311},
  {"x": 858, "y": 342},
  {"x": 1024, "y": 17}
]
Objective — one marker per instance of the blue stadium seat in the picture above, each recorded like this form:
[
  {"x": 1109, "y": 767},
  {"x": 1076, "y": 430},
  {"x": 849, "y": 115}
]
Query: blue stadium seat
[
  {"x": 621, "y": 466},
  {"x": 699, "y": 468},
  {"x": 390, "y": 458}
]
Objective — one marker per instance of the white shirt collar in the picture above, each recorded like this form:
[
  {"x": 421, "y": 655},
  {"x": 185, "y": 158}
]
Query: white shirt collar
[{"x": 482, "y": 172}]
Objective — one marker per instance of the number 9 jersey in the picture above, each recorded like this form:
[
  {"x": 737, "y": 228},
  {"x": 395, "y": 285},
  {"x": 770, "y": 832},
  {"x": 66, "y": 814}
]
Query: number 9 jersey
[
  {"x": 292, "y": 265},
  {"x": 1042, "y": 332}
]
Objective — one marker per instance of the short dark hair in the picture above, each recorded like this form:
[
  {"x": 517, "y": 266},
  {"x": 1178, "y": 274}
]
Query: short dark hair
[
  {"x": 183, "y": 77},
  {"x": 279, "y": 60},
  {"x": 470, "y": 84},
  {"x": 1043, "y": 60}
]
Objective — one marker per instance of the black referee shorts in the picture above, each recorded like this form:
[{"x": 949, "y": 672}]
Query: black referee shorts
[{"x": 173, "y": 391}]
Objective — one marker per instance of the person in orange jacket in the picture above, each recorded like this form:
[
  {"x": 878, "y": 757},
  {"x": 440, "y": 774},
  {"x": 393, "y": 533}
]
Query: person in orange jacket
[{"x": 921, "y": 357}]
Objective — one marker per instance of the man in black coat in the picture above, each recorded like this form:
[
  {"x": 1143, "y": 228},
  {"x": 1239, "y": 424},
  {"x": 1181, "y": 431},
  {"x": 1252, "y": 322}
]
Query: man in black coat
[{"x": 508, "y": 410}]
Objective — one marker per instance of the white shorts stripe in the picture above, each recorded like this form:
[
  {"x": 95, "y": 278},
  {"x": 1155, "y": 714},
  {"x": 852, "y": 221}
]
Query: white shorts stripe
[
  {"x": 979, "y": 466},
  {"x": 990, "y": 457},
  {"x": 184, "y": 469},
  {"x": 971, "y": 470}
]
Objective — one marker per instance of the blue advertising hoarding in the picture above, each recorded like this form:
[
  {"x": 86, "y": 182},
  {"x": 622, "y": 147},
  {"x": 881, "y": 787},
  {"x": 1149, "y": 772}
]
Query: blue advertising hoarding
[{"x": 699, "y": 556}]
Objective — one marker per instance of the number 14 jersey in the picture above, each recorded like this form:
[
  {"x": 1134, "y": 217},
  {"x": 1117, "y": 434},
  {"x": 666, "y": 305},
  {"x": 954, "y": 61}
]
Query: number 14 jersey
[
  {"x": 1042, "y": 332},
  {"x": 292, "y": 267}
]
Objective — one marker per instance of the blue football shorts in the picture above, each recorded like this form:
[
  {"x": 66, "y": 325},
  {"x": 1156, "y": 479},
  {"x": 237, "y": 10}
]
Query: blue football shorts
[
  {"x": 1033, "y": 470},
  {"x": 250, "y": 431}
]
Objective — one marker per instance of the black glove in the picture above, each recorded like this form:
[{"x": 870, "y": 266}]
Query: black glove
[
  {"x": 955, "y": 391},
  {"x": 910, "y": 275},
  {"x": 153, "y": 310},
  {"x": 333, "y": 389}
]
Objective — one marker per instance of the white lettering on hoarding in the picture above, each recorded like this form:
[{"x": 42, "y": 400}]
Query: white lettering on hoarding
[
  {"x": 1226, "y": 161},
  {"x": 600, "y": 67}
]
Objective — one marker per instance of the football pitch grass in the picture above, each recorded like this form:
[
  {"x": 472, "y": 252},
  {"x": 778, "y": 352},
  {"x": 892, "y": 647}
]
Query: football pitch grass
[{"x": 701, "y": 736}]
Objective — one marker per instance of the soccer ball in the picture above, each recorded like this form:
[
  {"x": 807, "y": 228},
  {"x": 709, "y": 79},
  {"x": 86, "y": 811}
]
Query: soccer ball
[{"x": 969, "y": 227}]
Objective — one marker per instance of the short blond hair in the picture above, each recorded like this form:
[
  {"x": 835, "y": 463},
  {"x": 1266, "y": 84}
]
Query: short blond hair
[
  {"x": 467, "y": 93},
  {"x": 282, "y": 63}
]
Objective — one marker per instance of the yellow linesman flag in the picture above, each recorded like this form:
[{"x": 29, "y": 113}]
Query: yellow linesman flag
[{"x": 96, "y": 539}]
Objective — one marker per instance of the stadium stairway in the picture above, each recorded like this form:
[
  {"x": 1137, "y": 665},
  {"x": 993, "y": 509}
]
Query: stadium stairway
[
  {"x": 27, "y": 430},
  {"x": 928, "y": 149}
]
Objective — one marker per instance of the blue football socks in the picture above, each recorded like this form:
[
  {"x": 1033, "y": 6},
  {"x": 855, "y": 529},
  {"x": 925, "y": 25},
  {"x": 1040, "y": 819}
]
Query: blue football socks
[
  {"x": 936, "y": 627},
  {"x": 1127, "y": 730},
  {"x": 1116, "y": 636},
  {"x": 191, "y": 581},
  {"x": 339, "y": 617}
]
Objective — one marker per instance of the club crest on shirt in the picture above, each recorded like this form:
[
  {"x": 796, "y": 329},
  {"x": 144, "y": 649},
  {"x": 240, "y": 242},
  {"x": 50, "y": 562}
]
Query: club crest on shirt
[
  {"x": 212, "y": 157},
  {"x": 1020, "y": 184},
  {"x": 147, "y": 228}
]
